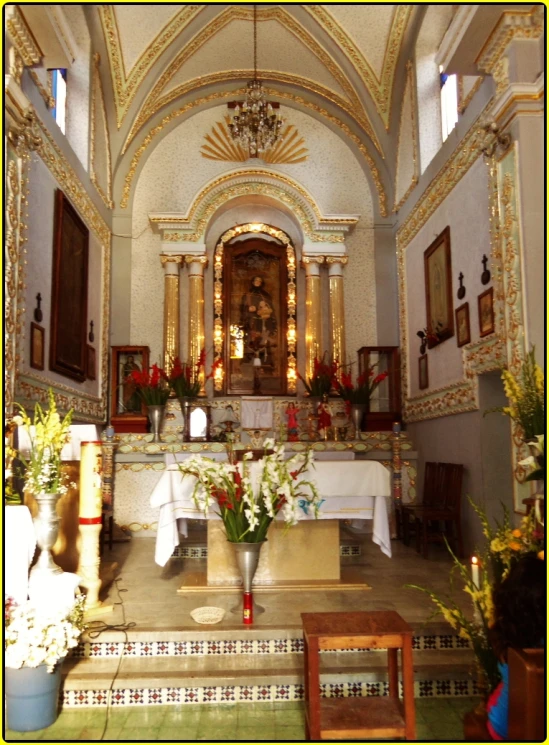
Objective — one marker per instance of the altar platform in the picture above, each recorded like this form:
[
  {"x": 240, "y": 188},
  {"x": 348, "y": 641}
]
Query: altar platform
[{"x": 167, "y": 658}]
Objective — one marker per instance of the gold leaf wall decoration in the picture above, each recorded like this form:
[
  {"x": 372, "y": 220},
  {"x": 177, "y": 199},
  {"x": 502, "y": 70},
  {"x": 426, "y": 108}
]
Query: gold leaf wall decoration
[{"x": 220, "y": 146}]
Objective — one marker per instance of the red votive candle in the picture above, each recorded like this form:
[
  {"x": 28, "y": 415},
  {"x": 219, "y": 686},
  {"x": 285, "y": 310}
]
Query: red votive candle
[{"x": 248, "y": 608}]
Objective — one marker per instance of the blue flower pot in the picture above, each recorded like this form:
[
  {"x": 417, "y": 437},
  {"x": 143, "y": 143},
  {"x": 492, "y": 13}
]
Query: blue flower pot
[{"x": 32, "y": 695}]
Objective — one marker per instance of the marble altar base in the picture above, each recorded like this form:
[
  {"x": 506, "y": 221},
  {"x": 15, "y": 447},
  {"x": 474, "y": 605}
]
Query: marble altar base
[{"x": 307, "y": 551}]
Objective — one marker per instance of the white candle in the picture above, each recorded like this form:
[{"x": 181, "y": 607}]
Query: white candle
[{"x": 475, "y": 576}]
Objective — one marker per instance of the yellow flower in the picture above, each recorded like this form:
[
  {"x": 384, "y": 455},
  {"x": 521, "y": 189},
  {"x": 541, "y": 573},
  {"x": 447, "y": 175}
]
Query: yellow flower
[
  {"x": 539, "y": 378},
  {"x": 541, "y": 555},
  {"x": 464, "y": 634},
  {"x": 514, "y": 546},
  {"x": 512, "y": 390},
  {"x": 516, "y": 533}
]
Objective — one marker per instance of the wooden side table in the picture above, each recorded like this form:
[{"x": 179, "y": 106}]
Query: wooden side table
[{"x": 368, "y": 717}]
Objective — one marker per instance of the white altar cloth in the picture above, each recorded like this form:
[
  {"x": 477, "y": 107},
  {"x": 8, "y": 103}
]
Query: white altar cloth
[
  {"x": 350, "y": 490},
  {"x": 19, "y": 548}
]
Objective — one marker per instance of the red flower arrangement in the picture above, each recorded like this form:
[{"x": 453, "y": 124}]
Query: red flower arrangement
[
  {"x": 322, "y": 377},
  {"x": 362, "y": 392},
  {"x": 152, "y": 387},
  {"x": 184, "y": 378}
]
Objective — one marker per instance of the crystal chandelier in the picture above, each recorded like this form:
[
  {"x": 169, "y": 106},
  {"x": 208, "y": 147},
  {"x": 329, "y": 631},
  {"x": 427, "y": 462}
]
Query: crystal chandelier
[{"x": 255, "y": 126}]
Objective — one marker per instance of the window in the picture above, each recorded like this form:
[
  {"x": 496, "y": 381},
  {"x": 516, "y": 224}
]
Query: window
[
  {"x": 59, "y": 84},
  {"x": 448, "y": 103}
]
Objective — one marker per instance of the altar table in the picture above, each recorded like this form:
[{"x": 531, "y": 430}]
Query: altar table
[{"x": 353, "y": 490}]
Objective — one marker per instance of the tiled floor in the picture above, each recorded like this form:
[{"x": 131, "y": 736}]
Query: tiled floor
[
  {"x": 151, "y": 599},
  {"x": 437, "y": 719}
]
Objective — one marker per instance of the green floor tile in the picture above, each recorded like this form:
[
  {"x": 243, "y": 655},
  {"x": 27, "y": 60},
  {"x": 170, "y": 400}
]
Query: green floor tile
[
  {"x": 140, "y": 734},
  {"x": 251, "y": 718},
  {"x": 178, "y": 734},
  {"x": 91, "y": 733},
  {"x": 290, "y": 733},
  {"x": 256, "y": 734},
  {"x": 289, "y": 705},
  {"x": 144, "y": 716},
  {"x": 35, "y": 735},
  {"x": 227, "y": 733},
  {"x": 289, "y": 716},
  {"x": 176, "y": 715}
]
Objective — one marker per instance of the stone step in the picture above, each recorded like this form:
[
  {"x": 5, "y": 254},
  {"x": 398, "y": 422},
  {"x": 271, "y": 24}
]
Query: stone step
[{"x": 227, "y": 678}]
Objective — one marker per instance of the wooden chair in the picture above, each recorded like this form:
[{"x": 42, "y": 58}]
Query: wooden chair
[
  {"x": 442, "y": 519},
  {"x": 404, "y": 513}
]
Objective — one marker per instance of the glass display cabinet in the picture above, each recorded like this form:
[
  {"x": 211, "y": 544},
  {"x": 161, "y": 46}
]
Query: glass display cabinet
[{"x": 385, "y": 407}]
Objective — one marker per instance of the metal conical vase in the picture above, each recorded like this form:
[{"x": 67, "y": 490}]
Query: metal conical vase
[
  {"x": 156, "y": 414},
  {"x": 46, "y": 525},
  {"x": 247, "y": 558},
  {"x": 357, "y": 414}
]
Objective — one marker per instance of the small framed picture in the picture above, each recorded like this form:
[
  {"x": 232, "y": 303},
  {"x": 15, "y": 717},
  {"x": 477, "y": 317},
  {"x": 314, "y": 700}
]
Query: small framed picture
[
  {"x": 37, "y": 346},
  {"x": 423, "y": 367},
  {"x": 90, "y": 362},
  {"x": 462, "y": 325},
  {"x": 486, "y": 312}
]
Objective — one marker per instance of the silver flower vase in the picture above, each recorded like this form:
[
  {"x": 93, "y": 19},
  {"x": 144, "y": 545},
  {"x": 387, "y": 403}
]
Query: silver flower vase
[
  {"x": 156, "y": 414},
  {"x": 46, "y": 525},
  {"x": 357, "y": 415},
  {"x": 247, "y": 559}
]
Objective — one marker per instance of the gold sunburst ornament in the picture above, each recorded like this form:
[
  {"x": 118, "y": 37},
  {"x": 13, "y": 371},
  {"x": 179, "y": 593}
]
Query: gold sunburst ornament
[
  {"x": 256, "y": 125},
  {"x": 220, "y": 146}
]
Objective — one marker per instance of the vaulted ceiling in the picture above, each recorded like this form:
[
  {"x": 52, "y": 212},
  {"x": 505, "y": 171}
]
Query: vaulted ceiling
[
  {"x": 345, "y": 55},
  {"x": 344, "y": 64}
]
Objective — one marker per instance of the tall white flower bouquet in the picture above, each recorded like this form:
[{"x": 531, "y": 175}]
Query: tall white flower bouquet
[
  {"x": 48, "y": 434},
  {"x": 248, "y": 503},
  {"x": 40, "y": 636}
]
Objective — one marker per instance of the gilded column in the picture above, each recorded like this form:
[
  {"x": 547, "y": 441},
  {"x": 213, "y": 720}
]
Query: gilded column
[
  {"x": 337, "y": 307},
  {"x": 171, "y": 266},
  {"x": 196, "y": 265},
  {"x": 313, "y": 318}
]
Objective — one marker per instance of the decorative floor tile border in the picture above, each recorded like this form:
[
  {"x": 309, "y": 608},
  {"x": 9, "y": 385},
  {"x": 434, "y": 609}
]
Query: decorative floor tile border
[
  {"x": 256, "y": 693},
  {"x": 204, "y": 647}
]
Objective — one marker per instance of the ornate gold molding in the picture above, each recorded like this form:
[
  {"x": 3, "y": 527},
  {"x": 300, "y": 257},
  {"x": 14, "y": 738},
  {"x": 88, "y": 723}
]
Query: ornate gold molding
[
  {"x": 380, "y": 90},
  {"x": 192, "y": 259},
  {"x": 218, "y": 331},
  {"x": 12, "y": 274},
  {"x": 288, "y": 22},
  {"x": 44, "y": 92},
  {"x": 34, "y": 135},
  {"x": 343, "y": 260},
  {"x": 128, "y": 180},
  {"x": 236, "y": 76},
  {"x": 174, "y": 259},
  {"x": 513, "y": 24},
  {"x": 254, "y": 181},
  {"x": 305, "y": 260},
  {"x": 220, "y": 146},
  {"x": 410, "y": 81},
  {"x": 465, "y": 100},
  {"x": 15, "y": 65},
  {"x": 98, "y": 108},
  {"x": 461, "y": 396},
  {"x": 125, "y": 86},
  {"x": 21, "y": 36}
]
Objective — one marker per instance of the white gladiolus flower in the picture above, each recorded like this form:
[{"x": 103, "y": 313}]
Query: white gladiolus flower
[{"x": 247, "y": 456}]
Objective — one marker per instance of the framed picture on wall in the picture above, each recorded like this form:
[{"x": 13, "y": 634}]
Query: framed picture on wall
[
  {"x": 463, "y": 328},
  {"x": 423, "y": 367},
  {"x": 486, "y": 312},
  {"x": 37, "y": 346},
  {"x": 128, "y": 413},
  {"x": 90, "y": 363},
  {"x": 69, "y": 298},
  {"x": 438, "y": 289}
]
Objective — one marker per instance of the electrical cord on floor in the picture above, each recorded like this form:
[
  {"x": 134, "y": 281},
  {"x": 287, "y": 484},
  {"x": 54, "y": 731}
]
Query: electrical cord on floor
[{"x": 96, "y": 628}]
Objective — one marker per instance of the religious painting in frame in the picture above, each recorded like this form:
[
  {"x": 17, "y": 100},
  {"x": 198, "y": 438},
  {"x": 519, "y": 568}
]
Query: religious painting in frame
[
  {"x": 438, "y": 289},
  {"x": 463, "y": 327},
  {"x": 255, "y": 309},
  {"x": 423, "y": 370},
  {"x": 69, "y": 300},
  {"x": 37, "y": 346},
  {"x": 128, "y": 412},
  {"x": 486, "y": 312},
  {"x": 90, "y": 363}
]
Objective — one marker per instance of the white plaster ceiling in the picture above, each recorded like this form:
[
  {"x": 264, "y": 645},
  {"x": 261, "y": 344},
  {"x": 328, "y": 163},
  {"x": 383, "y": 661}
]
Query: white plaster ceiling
[
  {"x": 368, "y": 26},
  {"x": 138, "y": 26},
  {"x": 277, "y": 50}
]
